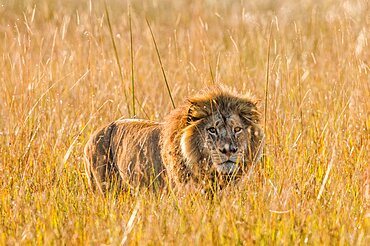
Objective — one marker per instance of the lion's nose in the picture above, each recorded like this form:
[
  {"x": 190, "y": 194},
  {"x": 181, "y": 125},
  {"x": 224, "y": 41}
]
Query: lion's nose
[{"x": 228, "y": 149}]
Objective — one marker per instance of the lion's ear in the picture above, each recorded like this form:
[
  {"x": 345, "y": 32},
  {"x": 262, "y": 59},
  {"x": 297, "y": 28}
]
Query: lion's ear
[
  {"x": 196, "y": 112},
  {"x": 248, "y": 111}
]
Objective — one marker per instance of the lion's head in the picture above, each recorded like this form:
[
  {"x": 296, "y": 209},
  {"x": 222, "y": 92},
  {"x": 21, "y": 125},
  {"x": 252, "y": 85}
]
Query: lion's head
[{"x": 214, "y": 134}]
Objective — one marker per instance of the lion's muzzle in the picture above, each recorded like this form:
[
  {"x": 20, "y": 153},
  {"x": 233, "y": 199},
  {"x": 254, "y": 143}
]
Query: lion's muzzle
[{"x": 227, "y": 168}]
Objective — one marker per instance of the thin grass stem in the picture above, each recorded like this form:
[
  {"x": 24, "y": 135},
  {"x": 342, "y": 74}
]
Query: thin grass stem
[
  {"x": 117, "y": 57},
  {"x": 132, "y": 63},
  {"x": 266, "y": 88},
  {"x": 160, "y": 62}
]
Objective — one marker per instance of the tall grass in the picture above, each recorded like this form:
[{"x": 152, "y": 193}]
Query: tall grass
[{"x": 60, "y": 81}]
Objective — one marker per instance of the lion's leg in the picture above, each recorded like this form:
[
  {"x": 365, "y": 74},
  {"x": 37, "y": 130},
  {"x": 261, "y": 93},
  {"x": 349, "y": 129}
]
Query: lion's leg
[{"x": 89, "y": 173}]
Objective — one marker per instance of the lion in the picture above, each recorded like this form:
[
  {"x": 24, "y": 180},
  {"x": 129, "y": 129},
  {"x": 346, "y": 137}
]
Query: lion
[{"x": 212, "y": 137}]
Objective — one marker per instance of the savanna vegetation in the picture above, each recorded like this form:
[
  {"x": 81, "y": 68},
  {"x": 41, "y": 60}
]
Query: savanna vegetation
[{"x": 66, "y": 68}]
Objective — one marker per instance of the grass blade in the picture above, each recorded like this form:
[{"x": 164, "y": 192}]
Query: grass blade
[
  {"x": 116, "y": 55},
  {"x": 132, "y": 64},
  {"x": 266, "y": 90},
  {"x": 160, "y": 62},
  {"x": 211, "y": 72}
]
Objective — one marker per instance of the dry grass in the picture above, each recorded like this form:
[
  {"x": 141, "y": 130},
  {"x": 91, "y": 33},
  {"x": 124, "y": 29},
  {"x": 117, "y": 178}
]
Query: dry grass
[{"x": 59, "y": 81}]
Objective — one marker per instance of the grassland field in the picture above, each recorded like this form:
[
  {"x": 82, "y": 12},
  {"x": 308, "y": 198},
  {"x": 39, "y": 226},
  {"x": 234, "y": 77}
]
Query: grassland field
[{"x": 60, "y": 79}]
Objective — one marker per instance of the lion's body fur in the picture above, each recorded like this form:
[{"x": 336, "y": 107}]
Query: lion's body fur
[{"x": 127, "y": 151}]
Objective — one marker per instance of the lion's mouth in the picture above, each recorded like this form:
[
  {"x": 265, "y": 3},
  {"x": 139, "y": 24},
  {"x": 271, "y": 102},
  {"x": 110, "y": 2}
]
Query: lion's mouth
[{"x": 227, "y": 168}]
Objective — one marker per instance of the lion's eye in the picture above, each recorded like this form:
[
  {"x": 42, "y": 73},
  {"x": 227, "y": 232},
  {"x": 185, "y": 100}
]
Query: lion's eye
[
  {"x": 212, "y": 130},
  {"x": 237, "y": 129}
]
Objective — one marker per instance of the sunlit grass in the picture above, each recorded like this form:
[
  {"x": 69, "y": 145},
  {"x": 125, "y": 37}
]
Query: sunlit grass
[{"x": 60, "y": 80}]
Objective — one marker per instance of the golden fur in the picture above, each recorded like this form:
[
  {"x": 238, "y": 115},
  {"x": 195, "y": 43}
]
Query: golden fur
[{"x": 212, "y": 137}]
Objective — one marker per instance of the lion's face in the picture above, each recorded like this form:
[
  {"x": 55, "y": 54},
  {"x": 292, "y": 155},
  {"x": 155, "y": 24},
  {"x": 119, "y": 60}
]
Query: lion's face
[
  {"x": 227, "y": 135},
  {"x": 226, "y": 141}
]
